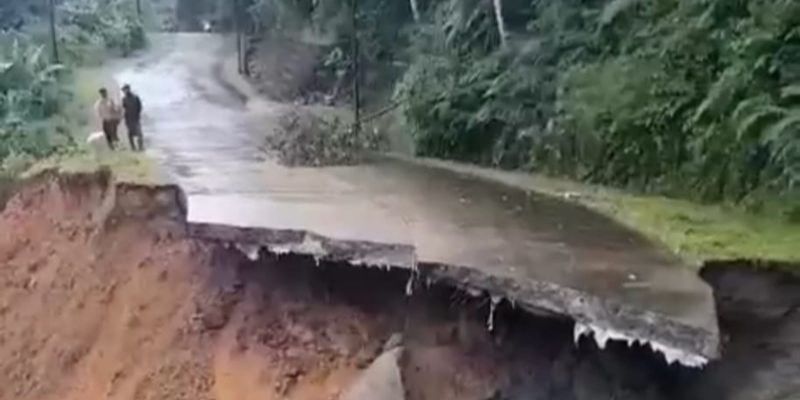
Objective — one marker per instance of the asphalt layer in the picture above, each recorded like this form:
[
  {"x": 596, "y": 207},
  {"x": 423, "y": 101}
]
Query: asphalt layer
[{"x": 540, "y": 252}]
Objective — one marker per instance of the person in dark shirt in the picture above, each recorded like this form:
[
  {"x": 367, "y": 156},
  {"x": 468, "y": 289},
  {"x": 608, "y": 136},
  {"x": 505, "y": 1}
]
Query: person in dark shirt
[{"x": 132, "y": 105}]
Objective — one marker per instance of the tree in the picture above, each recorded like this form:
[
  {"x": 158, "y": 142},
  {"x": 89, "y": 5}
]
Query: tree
[
  {"x": 501, "y": 25},
  {"x": 237, "y": 27},
  {"x": 414, "y": 9},
  {"x": 356, "y": 55},
  {"x": 51, "y": 11}
]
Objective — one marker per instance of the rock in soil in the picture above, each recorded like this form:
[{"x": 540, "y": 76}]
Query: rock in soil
[{"x": 381, "y": 381}]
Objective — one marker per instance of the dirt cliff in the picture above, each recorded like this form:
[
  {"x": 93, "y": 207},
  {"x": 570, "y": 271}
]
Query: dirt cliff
[{"x": 103, "y": 295}]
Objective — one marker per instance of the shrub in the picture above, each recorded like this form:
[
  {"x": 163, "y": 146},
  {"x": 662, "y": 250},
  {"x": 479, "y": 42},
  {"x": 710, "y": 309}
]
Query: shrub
[
  {"x": 29, "y": 91},
  {"x": 305, "y": 139},
  {"x": 691, "y": 98}
]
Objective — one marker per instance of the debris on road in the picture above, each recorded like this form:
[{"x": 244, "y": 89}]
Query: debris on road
[{"x": 305, "y": 139}]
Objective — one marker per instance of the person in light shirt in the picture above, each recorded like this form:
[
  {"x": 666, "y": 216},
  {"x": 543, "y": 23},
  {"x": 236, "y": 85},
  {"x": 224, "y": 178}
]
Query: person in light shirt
[{"x": 109, "y": 114}]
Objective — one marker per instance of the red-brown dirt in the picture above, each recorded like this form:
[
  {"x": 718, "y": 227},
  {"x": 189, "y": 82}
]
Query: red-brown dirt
[{"x": 102, "y": 296}]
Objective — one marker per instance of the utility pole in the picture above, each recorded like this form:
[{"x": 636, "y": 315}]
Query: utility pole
[
  {"x": 53, "y": 40},
  {"x": 356, "y": 71}
]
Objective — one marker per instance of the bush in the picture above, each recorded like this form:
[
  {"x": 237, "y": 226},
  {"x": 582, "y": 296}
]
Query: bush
[
  {"x": 32, "y": 88},
  {"x": 29, "y": 91},
  {"x": 473, "y": 111},
  {"x": 692, "y": 98},
  {"x": 113, "y": 24},
  {"x": 305, "y": 139}
]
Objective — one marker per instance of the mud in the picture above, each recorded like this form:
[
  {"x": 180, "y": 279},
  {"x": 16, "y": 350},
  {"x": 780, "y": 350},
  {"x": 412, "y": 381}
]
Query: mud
[{"x": 104, "y": 295}]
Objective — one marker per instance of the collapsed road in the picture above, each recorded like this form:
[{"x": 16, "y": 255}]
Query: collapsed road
[
  {"x": 538, "y": 253},
  {"x": 106, "y": 295},
  {"x": 390, "y": 280}
]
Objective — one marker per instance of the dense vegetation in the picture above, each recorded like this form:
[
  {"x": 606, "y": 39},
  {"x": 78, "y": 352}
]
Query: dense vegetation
[
  {"x": 33, "y": 86},
  {"x": 695, "y": 98}
]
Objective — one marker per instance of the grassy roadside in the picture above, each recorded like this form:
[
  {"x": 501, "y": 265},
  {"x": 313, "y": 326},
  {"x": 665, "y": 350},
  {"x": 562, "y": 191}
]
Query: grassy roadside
[
  {"x": 696, "y": 232},
  {"x": 79, "y": 119},
  {"x": 700, "y": 232}
]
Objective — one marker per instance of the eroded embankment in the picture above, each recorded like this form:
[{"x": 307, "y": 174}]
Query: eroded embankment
[
  {"x": 595, "y": 317},
  {"x": 104, "y": 295}
]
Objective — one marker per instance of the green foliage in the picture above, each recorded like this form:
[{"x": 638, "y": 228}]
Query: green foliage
[
  {"x": 693, "y": 98},
  {"x": 467, "y": 98},
  {"x": 29, "y": 91},
  {"x": 474, "y": 112},
  {"x": 33, "y": 90},
  {"x": 112, "y": 25}
]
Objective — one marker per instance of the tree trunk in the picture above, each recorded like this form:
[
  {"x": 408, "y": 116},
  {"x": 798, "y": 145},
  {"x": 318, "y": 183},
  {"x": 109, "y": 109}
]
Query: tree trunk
[
  {"x": 414, "y": 9},
  {"x": 356, "y": 71},
  {"x": 501, "y": 25},
  {"x": 53, "y": 39},
  {"x": 139, "y": 8},
  {"x": 238, "y": 29}
]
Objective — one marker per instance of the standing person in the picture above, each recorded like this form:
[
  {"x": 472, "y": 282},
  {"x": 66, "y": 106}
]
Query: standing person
[
  {"x": 133, "y": 117},
  {"x": 109, "y": 115}
]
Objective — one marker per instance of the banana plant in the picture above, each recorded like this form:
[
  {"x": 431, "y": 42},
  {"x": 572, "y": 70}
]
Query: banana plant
[{"x": 29, "y": 84}]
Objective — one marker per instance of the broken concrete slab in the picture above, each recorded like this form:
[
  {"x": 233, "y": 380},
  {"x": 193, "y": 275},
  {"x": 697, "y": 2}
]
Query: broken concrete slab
[
  {"x": 541, "y": 253},
  {"x": 538, "y": 252},
  {"x": 380, "y": 381}
]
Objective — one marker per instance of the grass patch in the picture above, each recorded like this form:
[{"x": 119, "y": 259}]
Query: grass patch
[
  {"x": 696, "y": 232},
  {"x": 700, "y": 232},
  {"x": 126, "y": 166},
  {"x": 78, "y": 116}
]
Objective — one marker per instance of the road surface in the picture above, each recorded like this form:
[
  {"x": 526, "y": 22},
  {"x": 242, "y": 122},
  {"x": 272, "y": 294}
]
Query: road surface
[{"x": 535, "y": 250}]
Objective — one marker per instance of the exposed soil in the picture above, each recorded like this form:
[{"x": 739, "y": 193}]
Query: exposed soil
[{"x": 105, "y": 297}]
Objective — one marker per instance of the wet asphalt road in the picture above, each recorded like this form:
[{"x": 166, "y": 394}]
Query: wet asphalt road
[
  {"x": 210, "y": 142},
  {"x": 200, "y": 131}
]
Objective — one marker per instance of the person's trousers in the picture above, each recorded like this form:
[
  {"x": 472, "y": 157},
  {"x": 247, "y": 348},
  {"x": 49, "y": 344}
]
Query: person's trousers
[
  {"x": 110, "y": 131},
  {"x": 135, "y": 134}
]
